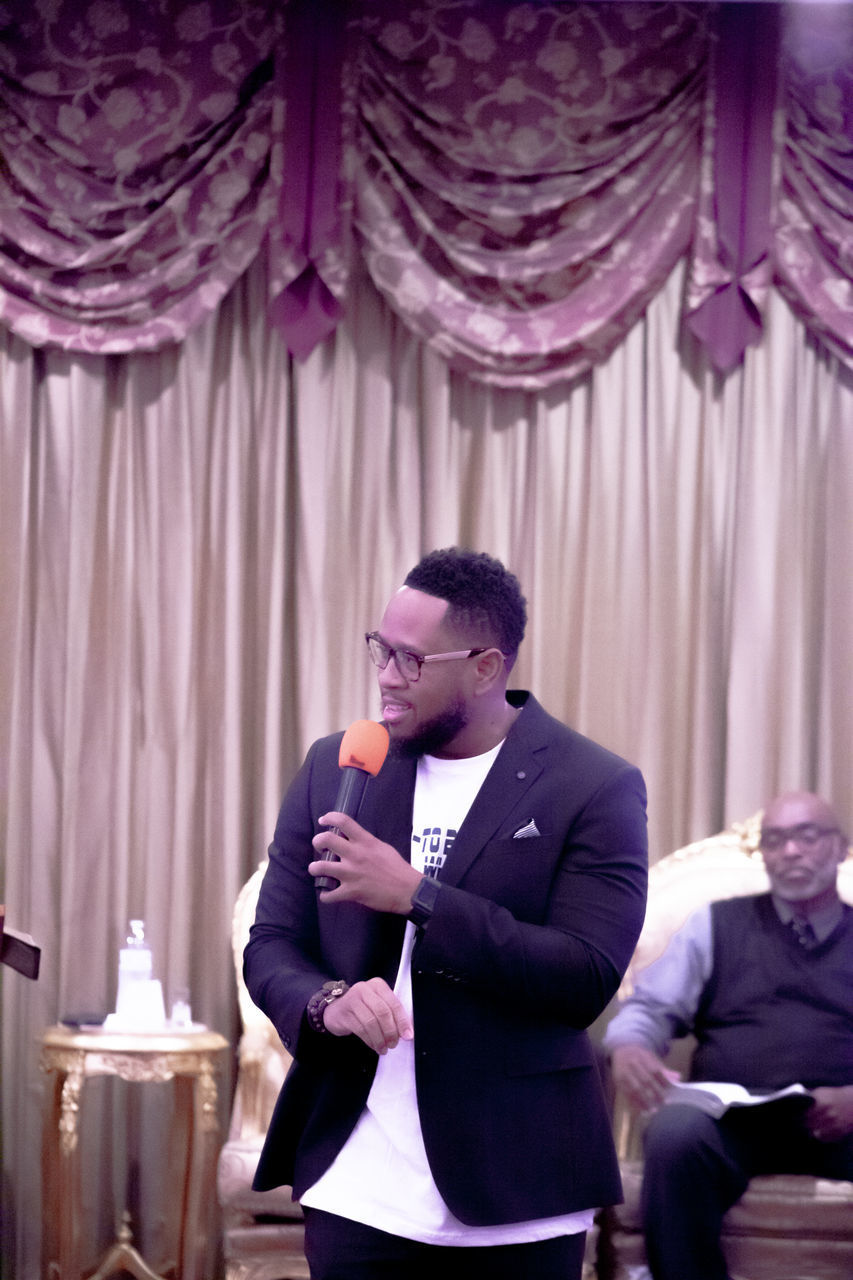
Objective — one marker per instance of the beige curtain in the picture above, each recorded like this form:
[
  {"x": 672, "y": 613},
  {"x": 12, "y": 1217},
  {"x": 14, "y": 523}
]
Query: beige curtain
[{"x": 193, "y": 543}]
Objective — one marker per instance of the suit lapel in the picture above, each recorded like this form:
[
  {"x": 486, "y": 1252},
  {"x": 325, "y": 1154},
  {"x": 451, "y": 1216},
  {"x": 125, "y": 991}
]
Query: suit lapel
[
  {"x": 387, "y": 809},
  {"x": 518, "y": 766}
]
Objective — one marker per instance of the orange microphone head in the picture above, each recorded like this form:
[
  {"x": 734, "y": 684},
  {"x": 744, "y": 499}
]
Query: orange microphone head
[{"x": 364, "y": 746}]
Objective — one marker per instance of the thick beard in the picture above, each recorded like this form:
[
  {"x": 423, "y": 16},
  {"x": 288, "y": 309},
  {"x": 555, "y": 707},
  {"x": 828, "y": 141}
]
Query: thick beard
[{"x": 433, "y": 735}]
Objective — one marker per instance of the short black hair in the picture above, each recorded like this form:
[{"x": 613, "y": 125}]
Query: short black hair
[{"x": 485, "y": 599}]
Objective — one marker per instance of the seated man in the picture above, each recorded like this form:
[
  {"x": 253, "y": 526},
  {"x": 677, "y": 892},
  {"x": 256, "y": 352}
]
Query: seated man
[{"x": 764, "y": 983}]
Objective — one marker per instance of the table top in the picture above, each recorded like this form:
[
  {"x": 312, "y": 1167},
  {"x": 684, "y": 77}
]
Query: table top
[{"x": 168, "y": 1040}]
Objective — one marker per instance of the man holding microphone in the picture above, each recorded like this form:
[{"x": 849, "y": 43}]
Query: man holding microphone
[{"x": 444, "y": 1108}]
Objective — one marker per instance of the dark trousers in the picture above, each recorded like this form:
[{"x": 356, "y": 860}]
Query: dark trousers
[
  {"x": 697, "y": 1167},
  {"x": 338, "y": 1249}
]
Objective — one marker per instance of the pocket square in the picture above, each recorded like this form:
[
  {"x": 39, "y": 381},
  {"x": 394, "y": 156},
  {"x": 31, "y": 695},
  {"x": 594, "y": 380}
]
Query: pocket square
[{"x": 528, "y": 831}]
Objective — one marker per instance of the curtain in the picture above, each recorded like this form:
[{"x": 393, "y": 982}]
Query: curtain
[
  {"x": 519, "y": 179},
  {"x": 195, "y": 540}
]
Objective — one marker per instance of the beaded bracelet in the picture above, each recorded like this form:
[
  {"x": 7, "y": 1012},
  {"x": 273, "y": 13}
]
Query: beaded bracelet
[{"x": 315, "y": 1010}]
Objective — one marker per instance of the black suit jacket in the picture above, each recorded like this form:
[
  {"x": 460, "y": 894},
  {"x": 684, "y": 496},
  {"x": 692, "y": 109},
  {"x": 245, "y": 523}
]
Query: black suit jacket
[{"x": 527, "y": 944}]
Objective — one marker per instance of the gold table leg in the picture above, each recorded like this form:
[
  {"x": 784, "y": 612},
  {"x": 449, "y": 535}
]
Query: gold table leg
[{"x": 188, "y": 1062}]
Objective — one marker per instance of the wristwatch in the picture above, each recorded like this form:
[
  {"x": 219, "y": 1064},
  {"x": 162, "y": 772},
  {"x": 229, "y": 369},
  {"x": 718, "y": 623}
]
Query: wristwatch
[
  {"x": 423, "y": 901},
  {"x": 315, "y": 1009}
]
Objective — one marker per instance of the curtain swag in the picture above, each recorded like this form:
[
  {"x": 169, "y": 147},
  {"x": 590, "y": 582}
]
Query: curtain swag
[{"x": 517, "y": 179}]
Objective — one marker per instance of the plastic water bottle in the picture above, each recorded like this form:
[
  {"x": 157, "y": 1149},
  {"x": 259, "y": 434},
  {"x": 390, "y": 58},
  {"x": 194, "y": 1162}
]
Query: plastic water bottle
[{"x": 135, "y": 1007}]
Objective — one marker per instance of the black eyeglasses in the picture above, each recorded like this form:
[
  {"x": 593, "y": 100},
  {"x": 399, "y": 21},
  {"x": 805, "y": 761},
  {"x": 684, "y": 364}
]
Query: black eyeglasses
[
  {"x": 409, "y": 664},
  {"x": 805, "y": 836}
]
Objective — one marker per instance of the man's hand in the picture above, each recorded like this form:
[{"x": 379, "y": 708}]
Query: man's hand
[
  {"x": 830, "y": 1118},
  {"x": 641, "y": 1075},
  {"x": 369, "y": 871},
  {"x": 371, "y": 1011}
]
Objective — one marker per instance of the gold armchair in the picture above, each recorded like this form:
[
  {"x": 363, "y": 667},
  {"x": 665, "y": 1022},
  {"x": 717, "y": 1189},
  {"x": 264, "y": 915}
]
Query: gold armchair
[
  {"x": 785, "y": 1227},
  {"x": 262, "y": 1230}
]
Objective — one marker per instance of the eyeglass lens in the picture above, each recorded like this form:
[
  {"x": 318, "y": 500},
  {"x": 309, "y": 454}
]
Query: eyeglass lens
[
  {"x": 806, "y": 836},
  {"x": 382, "y": 653}
]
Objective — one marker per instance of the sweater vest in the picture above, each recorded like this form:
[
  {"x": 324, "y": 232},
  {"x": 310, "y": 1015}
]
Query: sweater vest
[{"x": 774, "y": 1013}]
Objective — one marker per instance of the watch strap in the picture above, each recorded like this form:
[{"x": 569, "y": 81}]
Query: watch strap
[{"x": 423, "y": 901}]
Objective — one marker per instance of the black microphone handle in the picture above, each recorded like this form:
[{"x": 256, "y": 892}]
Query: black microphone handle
[{"x": 348, "y": 801}]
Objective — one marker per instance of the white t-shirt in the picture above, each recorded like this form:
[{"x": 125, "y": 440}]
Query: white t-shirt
[{"x": 381, "y": 1175}]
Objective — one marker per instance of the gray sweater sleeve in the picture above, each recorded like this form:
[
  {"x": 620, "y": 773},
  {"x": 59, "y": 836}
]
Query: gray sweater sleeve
[{"x": 667, "y": 992}]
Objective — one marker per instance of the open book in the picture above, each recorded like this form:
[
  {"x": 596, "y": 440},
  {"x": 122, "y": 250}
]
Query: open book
[{"x": 715, "y": 1097}]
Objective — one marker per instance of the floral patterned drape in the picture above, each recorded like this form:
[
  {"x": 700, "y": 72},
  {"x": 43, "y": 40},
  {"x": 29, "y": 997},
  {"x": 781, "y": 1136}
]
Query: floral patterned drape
[
  {"x": 517, "y": 178},
  {"x": 135, "y": 184},
  {"x": 813, "y": 233},
  {"x": 528, "y": 176}
]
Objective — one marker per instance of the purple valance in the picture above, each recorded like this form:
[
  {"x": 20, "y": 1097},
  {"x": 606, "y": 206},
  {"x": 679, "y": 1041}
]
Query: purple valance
[
  {"x": 518, "y": 179},
  {"x": 526, "y": 175}
]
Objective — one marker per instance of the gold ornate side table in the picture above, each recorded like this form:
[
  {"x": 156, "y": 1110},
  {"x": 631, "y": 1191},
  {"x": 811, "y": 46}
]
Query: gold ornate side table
[{"x": 190, "y": 1059}]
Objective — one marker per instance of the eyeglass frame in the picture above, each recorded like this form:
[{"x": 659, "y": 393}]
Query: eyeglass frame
[
  {"x": 418, "y": 658},
  {"x": 806, "y": 835}
]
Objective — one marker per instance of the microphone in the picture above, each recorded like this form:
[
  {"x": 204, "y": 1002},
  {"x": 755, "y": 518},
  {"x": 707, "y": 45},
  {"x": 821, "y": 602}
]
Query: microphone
[{"x": 364, "y": 747}]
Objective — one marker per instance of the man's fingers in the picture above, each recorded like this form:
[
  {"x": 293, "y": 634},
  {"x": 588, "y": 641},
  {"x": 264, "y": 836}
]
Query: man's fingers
[
  {"x": 371, "y": 1011},
  {"x": 373, "y": 1022},
  {"x": 384, "y": 1021},
  {"x": 329, "y": 840},
  {"x": 642, "y": 1076}
]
